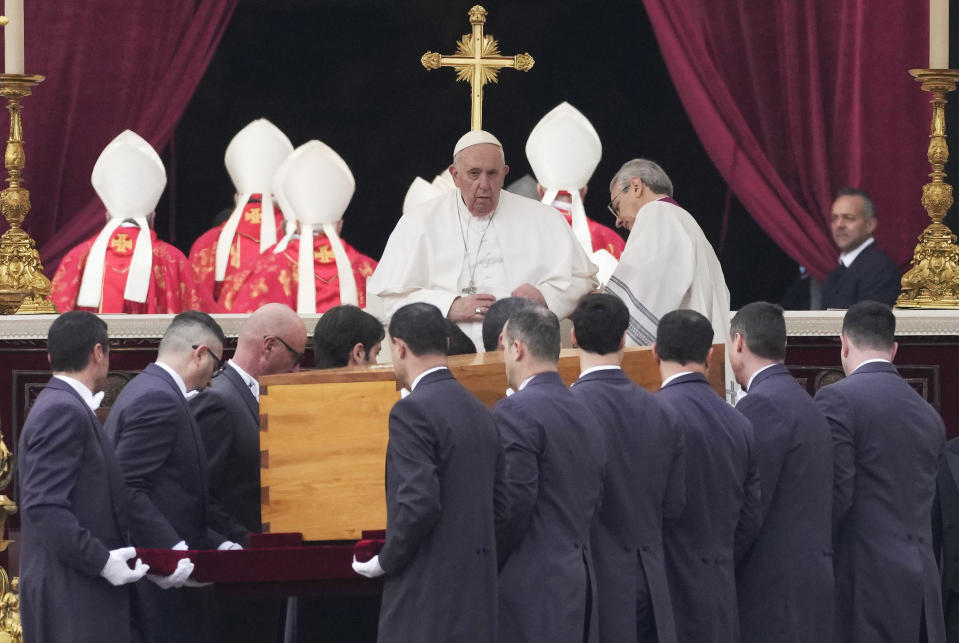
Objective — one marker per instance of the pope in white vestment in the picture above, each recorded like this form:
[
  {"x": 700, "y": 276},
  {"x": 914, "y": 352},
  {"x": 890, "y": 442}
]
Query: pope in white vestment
[
  {"x": 463, "y": 250},
  {"x": 667, "y": 263}
]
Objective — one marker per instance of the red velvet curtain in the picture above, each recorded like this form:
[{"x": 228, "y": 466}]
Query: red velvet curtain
[
  {"x": 793, "y": 99},
  {"x": 110, "y": 65}
]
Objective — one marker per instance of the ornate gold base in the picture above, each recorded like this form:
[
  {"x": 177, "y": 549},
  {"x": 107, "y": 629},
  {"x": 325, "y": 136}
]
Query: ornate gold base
[{"x": 933, "y": 279}]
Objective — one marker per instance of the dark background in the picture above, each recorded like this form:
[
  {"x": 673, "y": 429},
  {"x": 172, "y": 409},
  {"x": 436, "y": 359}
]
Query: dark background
[{"x": 349, "y": 74}]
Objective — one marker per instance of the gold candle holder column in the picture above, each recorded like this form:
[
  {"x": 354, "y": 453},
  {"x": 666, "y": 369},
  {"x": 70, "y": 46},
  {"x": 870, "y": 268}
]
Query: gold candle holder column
[
  {"x": 23, "y": 287},
  {"x": 933, "y": 279}
]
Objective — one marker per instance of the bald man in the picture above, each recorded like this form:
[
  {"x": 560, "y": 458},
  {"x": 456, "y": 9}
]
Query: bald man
[{"x": 271, "y": 341}]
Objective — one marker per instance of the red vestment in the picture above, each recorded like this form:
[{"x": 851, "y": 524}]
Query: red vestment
[
  {"x": 243, "y": 252},
  {"x": 603, "y": 237},
  {"x": 275, "y": 278},
  {"x": 172, "y": 288}
]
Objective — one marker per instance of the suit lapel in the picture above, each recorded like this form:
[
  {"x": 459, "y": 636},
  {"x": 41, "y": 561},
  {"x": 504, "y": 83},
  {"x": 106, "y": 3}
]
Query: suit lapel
[
  {"x": 952, "y": 459},
  {"x": 243, "y": 391}
]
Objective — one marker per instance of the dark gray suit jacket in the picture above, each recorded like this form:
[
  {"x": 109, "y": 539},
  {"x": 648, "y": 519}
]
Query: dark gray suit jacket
[
  {"x": 440, "y": 550},
  {"x": 71, "y": 515},
  {"x": 945, "y": 533},
  {"x": 645, "y": 485},
  {"x": 721, "y": 515},
  {"x": 555, "y": 455},
  {"x": 887, "y": 446},
  {"x": 228, "y": 416},
  {"x": 160, "y": 452},
  {"x": 785, "y": 579}
]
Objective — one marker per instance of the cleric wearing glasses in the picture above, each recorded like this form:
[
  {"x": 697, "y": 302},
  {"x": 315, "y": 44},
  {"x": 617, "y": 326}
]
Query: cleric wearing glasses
[{"x": 228, "y": 415}]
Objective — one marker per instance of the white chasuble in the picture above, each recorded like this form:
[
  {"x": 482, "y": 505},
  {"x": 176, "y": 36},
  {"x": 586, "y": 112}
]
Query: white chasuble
[
  {"x": 435, "y": 247},
  {"x": 667, "y": 264}
]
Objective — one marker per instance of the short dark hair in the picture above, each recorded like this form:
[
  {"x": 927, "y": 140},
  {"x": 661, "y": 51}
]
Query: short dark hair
[
  {"x": 496, "y": 317},
  {"x": 763, "y": 327},
  {"x": 71, "y": 339},
  {"x": 868, "y": 207},
  {"x": 341, "y": 328},
  {"x": 684, "y": 336},
  {"x": 600, "y": 321},
  {"x": 459, "y": 342},
  {"x": 190, "y": 328},
  {"x": 870, "y": 325},
  {"x": 422, "y": 327},
  {"x": 538, "y": 328}
]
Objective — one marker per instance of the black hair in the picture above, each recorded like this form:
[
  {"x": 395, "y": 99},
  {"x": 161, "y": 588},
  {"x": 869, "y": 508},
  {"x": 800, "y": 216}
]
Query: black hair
[
  {"x": 422, "y": 327},
  {"x": 870, "y": 325},
  {"x": 763, "y": 328},
  {"x": 496, "y": 317},
  {"x": 684, "y": 336},
  {"x": 600, "y": 321},
  {"x": 536, "y": 327},
  {"x": 72, "y": 338},
  {"x": 339, "y": 330},
  {"x": 459, "y": 342}
]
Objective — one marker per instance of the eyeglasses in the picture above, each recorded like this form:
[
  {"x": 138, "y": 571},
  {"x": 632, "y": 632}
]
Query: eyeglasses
[
  {"x": 297, "y": 356},
  {"x": 612, "y": 204},
  {"x": 218, "y": 363}
]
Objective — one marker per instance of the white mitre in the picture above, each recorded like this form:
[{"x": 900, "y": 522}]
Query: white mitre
[
  {"x": 129, "y": 178},
  {"x": 289, "y": 217},
  {"x": 318, "y": 185},
  {"x": 420, "y": 192},
  {"x": 251, "y": 159},
  {"x": 563, "y": 151}
]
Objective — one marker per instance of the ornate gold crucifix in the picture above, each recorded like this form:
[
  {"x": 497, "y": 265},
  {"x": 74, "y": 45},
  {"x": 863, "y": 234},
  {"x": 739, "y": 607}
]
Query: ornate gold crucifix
[{"x": 477, "y": 61}]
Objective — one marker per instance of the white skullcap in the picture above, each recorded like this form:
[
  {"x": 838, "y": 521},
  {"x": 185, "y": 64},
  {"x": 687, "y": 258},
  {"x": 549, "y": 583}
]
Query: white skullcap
[
  {"x": 475, "y": 137},
  {"x": 563, "y": 151},
  {"x": 251, "y": 159},
  {"x": 129, "y": 178},
  {"x": 318, "y": 185}
]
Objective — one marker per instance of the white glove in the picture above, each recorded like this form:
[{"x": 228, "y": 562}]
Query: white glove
[
  {"x": 229, "y": 545},
  {"x": 118, "y": 572},
  {"x": 370, "y": 569},
  {"x": 179, "y": 576},
  {"x": 180, "y": 546}
]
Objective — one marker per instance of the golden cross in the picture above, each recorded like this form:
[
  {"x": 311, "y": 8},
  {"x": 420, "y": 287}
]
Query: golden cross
[
  {"x": 121, "y": 243},
  {"x": 253, "y": 215},
  {"x": 324, "y": 255},
  {"x": 477, "y": 61}
]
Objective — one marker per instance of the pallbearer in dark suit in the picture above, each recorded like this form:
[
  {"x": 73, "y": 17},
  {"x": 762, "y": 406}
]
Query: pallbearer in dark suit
[
  {"x": 555, "y": 454},
  {"x": 785, "y": 578},
  {"x": 887, "y": 446},
  {"x": 228, "y": 416},
  {"x": 645, "y": 480},
  {"x": 73, "y": 560},
  {"x": 945, "y": 533},
  {"x": 440, "y": 551},
  {"x": 160, "y": 451},
  {"x": 721, "y": 514}
]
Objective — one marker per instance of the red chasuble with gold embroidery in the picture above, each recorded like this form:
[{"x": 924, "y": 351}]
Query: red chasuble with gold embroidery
[
  {"x": 244, "y": 251},
  {"x": 275, "y": 278},
  {"x": 172, "y": 287},
  {"x": 603, "y": 237}
]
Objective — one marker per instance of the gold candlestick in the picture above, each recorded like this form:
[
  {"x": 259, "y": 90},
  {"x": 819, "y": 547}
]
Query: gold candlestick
[
  {"x": 933, "y": 279},
  {"x": 23, "y": 286}
]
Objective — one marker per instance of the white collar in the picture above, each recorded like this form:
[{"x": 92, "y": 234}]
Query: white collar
[
  {"x": 420, "y": 376},
  {"x": 750, "y": 382},
  {"x": 871, "y": 361},
  {"x": 672, "y": 377},
  {"x": 248, "y": 379},
  {"x": 847, "y": 258},
  {"x": 604, "y": 367},
  {"x": 177, "y": 379},
  {"x": 510, "y": 391},
  {"x": 91, "y": 400}
]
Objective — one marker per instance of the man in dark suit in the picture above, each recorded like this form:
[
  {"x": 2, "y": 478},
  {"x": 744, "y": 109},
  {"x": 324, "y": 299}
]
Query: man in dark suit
[
  {"x": 887, "y": 446},
  {"x": 440, "y": 552},
  {"x": 347, "y": 336},
  {"x": 864, "y": 272},
  {"x": 160, "y": 451},
  {"x": 645, "y": 480},
  {"x": 227, "y": 413},
  {"x": 945, "y": 534},
  {"x": 721, "y": 515},
  {"x": 74, "y": 553},
  {"x": 785, "y": 578},
  {"x": 555, "y": 454}
]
